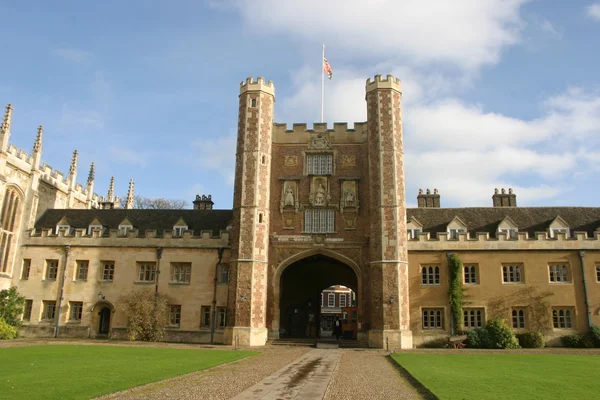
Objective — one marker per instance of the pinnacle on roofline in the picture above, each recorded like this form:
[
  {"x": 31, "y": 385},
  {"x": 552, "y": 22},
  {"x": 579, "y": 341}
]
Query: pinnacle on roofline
[
  {"x": 111, "y": 189},
  {"x": 6, "y": 121},
  {"x": 37, "y": 145},
  {"x": 129, "y": 203},
  {"x": 91, "y": 174},
  {"x": 73, "y": 169}
]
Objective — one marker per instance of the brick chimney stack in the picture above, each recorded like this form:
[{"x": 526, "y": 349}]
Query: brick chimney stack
[
  {"x": 504, "y": 199},
  {"x": 203, "y": 202},
  {"x": 428, "y": 200}
]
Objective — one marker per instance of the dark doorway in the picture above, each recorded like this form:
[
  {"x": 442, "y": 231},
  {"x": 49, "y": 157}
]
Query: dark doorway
[
  {"x": 104, "y": 323},
  {"x": 301, "y": 285}
]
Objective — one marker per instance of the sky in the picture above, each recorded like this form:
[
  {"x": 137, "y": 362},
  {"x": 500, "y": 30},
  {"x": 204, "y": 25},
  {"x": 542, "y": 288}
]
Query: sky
[{"x": 496, "y": 93}]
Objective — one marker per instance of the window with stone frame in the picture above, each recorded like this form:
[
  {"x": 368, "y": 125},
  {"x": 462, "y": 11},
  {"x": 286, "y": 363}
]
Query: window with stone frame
[
  {"x": 319, "y": 164},
  {"x": 342, "y": 300},
  {"x": 319, "y": 220},
  {"x": 146, "y": 271},
  {"x": 51, "y": 269},
  {"x": 49, "y": 309},
  {"x": 223, "y": 273},
  {"x": 181, "y": 272},
  {"x": 205, "y": 317},
  {"x": 413, "y": 233},
  {"x": 108, "y": 270},
  {"x": 512, "y": 273},
  {"x": 331, "y": 300},
  {"x": 432, "y": 318},
  {"x": 518, "y": 318},
  {"x": 27, "y": 309},
  {"x": 511, "y": 233},
  {"x": 598, "y": 273},
  {"x": 76, "y": 310},
  {"x": 559, "y": 273},
  {"x": 562, "y": 317},
  {"x": 473, "y": 317},
  {"x": 178, "y": 230},
  {"x": 430, "y": 275},
  {"x": 82, "y": 270},
  {"x": 175, "y": 315},
  {"x": 470, "y": 273},
  {"x": 453, "y": 233},
  {"x": 26, "y": 269},
  {"x": 222, "y": 317},
  {"x": 9, "y": 219}
]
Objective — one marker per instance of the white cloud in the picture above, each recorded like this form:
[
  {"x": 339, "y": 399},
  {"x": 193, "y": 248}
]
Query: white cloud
[
  {"x": 77, "y": 119},
  {"x": 217, "y": 155},
  {"x": 593, "y": 11},
  {"x": 465, "y": 33},
  {"x": 131, "y": 157},
  {"x": 74, "y": 55}
]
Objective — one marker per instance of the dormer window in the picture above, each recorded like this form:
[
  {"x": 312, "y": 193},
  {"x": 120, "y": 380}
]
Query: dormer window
[
  {"x": 63, "y": 228},
  {"x": 455, "y": 227},
  {"x": 413, "y": 233},
  {"x": 508, "y": 227},
  {"x": 453, "y": 233},
  {"x": 511, "y": 233},
  {"x": 554, "y": 231},
  {"x": 413, "y": 228},
  {"x": 93, "y": 228},
  {"x": 123, "y": 229},
  {"x": 558, "y": 225},
  {"x": 179, "y": 229}
]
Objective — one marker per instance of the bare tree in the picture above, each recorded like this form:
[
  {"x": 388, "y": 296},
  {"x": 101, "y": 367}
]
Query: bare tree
[{"x": 159, "y": 203}]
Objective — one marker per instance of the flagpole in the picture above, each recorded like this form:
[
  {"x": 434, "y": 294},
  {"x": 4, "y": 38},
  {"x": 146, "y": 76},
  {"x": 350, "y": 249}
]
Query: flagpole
[{"x": 322, "y": 81}]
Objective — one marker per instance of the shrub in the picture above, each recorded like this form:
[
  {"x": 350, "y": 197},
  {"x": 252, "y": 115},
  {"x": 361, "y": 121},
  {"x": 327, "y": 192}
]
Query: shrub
[
  {"x": 579, "y": 340},
  {"x": 595, "y": 333},
  {"x": 531, "y": 340},
  {"x": 501, "y": 335},
  {"x": 7, "y": 331},
  {"x": 148, "y": 314},
  {"x": 11, "y": 306},
  {"x": 456, "y": 291},
  {"x": 478, "y": 339},
  {"x": 573, "y": 340}
]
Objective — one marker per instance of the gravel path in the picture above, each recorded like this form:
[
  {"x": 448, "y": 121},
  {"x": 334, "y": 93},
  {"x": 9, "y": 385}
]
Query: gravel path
[
  {"x": 222, "y": 382},
  {"x": 368, "y": 374}
]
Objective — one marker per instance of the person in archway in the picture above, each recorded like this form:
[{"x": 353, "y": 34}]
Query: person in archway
[{"x": 337, "y": 328}]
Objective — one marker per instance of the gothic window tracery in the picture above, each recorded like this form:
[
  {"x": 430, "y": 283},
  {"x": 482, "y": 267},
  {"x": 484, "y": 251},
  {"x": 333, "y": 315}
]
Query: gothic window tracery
[{"x": 10, "y": 210}]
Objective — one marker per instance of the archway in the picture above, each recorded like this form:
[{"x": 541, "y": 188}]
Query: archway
[
  {"x": 101, "y": 317},
  {"x": 301, "y": 284}
]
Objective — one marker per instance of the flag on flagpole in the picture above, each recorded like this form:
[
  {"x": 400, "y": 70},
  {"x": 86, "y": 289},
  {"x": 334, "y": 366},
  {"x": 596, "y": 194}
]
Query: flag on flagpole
[{"x": 327, "y": 68}]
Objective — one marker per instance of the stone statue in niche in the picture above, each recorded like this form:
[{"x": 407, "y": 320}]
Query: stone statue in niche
[
  {"x": 288, "y": 199},
  {"x": 349, "y": 198},
  {"x": 320, "y": 195}
]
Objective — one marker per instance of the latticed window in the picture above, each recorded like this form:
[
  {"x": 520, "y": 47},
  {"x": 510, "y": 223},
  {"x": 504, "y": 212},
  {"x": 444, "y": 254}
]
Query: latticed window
[
  {"x": 518, "y": 319},
  {"x": 223, "y": 273},
  {"x": 205, "y": 317},
  {"x": 222, "y": 315},
  {"x": 319, "y": 164},
  {"x": 559, "y": 273},
  {"x": 147, "y": 272},
  {"x": 27, "y": 310},
  {"x": 82, "y": 270},
  {"x": 470, "y": 274},
  {"x": 181, "y": 272},
  {"x": 51, "y": 269},
  {"x": 8, "y": 218},
  {"x": 512, "y": 273},
  {"x": 49, "y": 309},
  {"x": 76, "y": 310},
  {"x": 26, "y": 269},
  {"x": 175, "y": 315},
  {"x": 319, "y": 221},
  {"x": 108, "y": 270},
  {"x": 430, "y": 275},
  {"x": 561, "y": 318},
  {"x": 331, "y": 300},
  {"x": 432, "y": 318},
  {"x": 473, "y": 317},
  {"x": 342, "y": 300}
]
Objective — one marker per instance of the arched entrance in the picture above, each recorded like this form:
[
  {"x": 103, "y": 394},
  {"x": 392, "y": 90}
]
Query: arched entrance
[
  {"x": 101, "y": 317},
  {"x": 104, "y": 321},
  {"x": 300, "y": 287}
]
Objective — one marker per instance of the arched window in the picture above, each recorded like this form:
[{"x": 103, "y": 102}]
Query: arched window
[{"x": 8, "y": 218}]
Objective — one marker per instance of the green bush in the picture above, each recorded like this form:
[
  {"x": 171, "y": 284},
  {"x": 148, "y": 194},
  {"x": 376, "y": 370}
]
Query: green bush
[
  {"x": 595, "y": 333},
  {"x": 501, "y": 335},
  {"x": 7, "y": 331},
  {"x": 579, "y": 340},
  {"x": 11, "y": 306},
  {"x": 531, "y": 340},
  {"x": 478, "y": 338}
]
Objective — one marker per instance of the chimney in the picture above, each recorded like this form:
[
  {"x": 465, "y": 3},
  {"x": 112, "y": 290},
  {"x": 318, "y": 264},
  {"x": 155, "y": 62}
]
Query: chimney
[
  {"x": 504, "y": 199},
  {"x": 428, "y": 200},
  {"x": 203, "y": 202}
]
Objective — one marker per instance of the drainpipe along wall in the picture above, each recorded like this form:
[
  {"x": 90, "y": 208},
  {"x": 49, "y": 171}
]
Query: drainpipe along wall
[
  {"x": 213, "y": 317},
  {"x": 61, "y": 280},
  {"x": 585, "y": 291}
]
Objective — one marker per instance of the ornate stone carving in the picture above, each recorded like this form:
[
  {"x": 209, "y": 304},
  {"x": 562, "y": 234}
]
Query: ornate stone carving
[
  {"x": 319, "y": 193},
  {"x": 349, "y": 196},
  {"x": 348, "y": 161},
  {"x": 290, "y": 161},
  {"x": 319, "y": 141},
  {"x": 289, "y": 196}
]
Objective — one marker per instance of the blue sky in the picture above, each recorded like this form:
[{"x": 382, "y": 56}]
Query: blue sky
[{"x": 496, "y": 93}]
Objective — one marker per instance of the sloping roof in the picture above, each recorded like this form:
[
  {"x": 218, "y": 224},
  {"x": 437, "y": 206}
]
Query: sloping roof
[
  {"x": 486, "y": 219},
  {"x": 197, "y": 220}
]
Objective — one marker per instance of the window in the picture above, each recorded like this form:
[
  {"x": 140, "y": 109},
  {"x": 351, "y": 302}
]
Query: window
[
  {"x": 331, "y": 300},
  {"x": 66, "y": 229},
  {"x": 260, "y": 218},
  {"x": 511, "y": 233},
  {"x": 413, "y": 233},
  {"x": 342, "y": 300},
  {"x": 223, "y": 274},
  {"x": 26, "y": 269},
  {"x": 222, "y": 315},
  {"x": 146, "y": 272},
  {"x": 76, "y": 308},
  {"x": 518, "y": 319},
  {"x": 51, "y": 269},
  {"x": 470, "y": 274},
  {"x": 181, "y": 272},
  {"x": 512, "y": 273},
  {"x": 430, "y": 275},
  {"x": 454, "y": 232},
  {"x": 123, "y": 229},
  {"x": 82, "y": 270},
  {"x": 205, "y": 317},
  {"x": 345, "y": 317},
  {"x": 321, "y": 299},
  {"x": 319, "y": 164},
  {"x": 263, "y": 160},
  {"x": 253, "y": 103},
  {"x": 48, "y": 311},
  {"x": 559, "y": 273},
  {"x": 598, "y": 273},
  {"x": 108, "y": 270},
  {"x": 554, "y": 231},
  {"x": 175, "y": 315},
  {"x": 473, "y": 317},
  {"x": 432, "y": 318},
  {"x": 93, "y": 228},
  {"x": 319, "y": 221},
  {"x": 10, "y": 209},
  {"x": 561, "y": 318},
  {"x": 178, "y": 230},
  {"x": 27, "y": 310}
]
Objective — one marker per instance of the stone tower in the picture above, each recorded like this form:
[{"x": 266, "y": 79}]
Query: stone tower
[
  {"x": 388, "y": 237},
  {"x": 250, "y": 230}
]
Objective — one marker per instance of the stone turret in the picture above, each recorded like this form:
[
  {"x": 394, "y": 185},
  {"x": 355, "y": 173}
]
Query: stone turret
[
  {"x": 390, "y": 318},
  {"x": 37, "y": 149},
  {"x": 5, "y": 128},
  {"x": 110, "y": 201},
  {"x": 129, "y": 203},
  {"x": 250, "y": 226}
]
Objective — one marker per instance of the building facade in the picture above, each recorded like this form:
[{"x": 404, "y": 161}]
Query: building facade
[{"x": 312, "y": 208}]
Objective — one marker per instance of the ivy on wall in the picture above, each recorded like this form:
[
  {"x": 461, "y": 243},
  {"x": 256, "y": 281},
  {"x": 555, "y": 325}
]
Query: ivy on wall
[{"x": 456, "y": 292}]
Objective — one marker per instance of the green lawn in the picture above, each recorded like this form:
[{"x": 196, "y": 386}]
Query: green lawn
[
  {"x": 82, "y": 372},
  {"x": 505, "y": 376}
]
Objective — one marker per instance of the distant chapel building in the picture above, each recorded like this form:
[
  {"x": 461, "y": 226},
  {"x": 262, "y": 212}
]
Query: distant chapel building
[{"x": 312, "y": 209}]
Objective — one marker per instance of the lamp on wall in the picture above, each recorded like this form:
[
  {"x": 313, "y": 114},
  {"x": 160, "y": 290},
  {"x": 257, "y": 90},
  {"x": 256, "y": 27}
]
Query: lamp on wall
[{"x": 101, "y": 296}]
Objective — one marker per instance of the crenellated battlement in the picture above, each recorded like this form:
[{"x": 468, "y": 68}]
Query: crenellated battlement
[
  {"x": 389, "y": 82},
  {"x": 251, "y": 85},
  {"x": 300, "y": 133},
  {"x": 14, "y": 154}
]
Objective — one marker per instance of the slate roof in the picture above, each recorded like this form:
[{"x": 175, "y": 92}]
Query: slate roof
[
  {"x": 486, "y": 219},
  {"x": 197, "y": 220}
]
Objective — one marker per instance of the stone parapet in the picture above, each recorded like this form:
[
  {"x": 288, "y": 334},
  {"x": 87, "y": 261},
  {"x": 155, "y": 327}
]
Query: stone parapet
[
  {"x": 389, "y": 82},
  {"x": 258, "y": 85}
]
